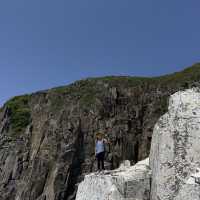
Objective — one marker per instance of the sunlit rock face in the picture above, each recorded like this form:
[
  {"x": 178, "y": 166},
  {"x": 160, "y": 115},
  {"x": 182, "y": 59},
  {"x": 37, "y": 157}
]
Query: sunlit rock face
[
  {"x": 127, "y": 182},
  {"x": 175, "y": 149},
  {"x": 47, "y": 138}
]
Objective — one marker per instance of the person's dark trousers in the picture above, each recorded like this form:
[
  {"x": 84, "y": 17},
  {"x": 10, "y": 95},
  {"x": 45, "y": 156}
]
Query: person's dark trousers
[{"x": 100, "y": 160}]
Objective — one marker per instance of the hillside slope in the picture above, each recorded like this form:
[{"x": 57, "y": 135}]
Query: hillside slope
[{"x": 47, "y": 138}]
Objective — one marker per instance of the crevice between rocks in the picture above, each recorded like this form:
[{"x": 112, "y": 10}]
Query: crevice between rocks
[{"x": 75, "y": 168}]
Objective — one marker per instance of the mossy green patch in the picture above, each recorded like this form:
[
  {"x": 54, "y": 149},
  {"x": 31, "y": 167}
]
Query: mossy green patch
[
  {"x": 60, "y": 90},
  {"x": 20, "y": 115},
  {"x": 87, "y": 100},
  {"x": 1, "y": 109},
  {"x": 84, "y": 92}
]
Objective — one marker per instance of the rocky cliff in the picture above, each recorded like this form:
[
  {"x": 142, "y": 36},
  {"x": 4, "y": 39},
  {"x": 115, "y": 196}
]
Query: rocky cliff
[
  {"x": 174, "y": 170},
  {"x": 47, "y": 138}
]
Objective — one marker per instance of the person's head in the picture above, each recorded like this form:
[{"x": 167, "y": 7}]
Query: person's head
[{"x": 99, "y": 136}]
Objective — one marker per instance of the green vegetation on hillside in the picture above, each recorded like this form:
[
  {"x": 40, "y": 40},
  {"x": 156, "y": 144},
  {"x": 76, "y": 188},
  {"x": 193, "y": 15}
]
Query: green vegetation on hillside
[
  {"x": 87, "y": 91},
  {"x": 190, "y": 74},
  {"x": 84, "y": 91},
  {"x": 19, "y": 113}
]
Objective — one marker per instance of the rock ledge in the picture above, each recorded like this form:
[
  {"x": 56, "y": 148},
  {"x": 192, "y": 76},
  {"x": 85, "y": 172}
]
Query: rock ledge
[{"x": 126, "y": 182}]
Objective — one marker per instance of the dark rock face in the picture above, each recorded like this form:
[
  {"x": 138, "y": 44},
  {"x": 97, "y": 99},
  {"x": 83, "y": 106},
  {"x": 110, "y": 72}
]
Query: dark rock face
[{"x": 47, "y": 138}]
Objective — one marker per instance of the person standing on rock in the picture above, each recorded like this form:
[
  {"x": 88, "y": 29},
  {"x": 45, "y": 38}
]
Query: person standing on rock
[{"x": 100, "y": 150}]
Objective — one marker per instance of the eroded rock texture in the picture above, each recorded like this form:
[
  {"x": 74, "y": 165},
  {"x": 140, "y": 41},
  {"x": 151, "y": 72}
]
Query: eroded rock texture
[
  {"x": 128, "y": 182},
  {"x": 175, "y": 151},
  {"x": 174, "y": 160},
  {"x": 47, "y": 138}
]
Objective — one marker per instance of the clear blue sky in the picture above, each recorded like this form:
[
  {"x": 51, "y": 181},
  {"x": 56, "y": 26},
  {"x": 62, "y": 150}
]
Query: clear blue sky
[{"x": 47, "y": 43}]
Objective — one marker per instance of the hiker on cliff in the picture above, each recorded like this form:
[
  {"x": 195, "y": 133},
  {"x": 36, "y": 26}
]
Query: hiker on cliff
[{"x": 100, "y": 150}]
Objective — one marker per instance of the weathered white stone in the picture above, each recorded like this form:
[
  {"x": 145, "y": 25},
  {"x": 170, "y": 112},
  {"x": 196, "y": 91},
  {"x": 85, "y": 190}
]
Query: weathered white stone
[
  {"x": 175, "y": 150},
  {"x": 127, "y": 182}
]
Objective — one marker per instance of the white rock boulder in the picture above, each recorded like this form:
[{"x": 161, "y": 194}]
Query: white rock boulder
[
  {"x": 175, "y": 150},
  {"x": 127, "y": 182}
]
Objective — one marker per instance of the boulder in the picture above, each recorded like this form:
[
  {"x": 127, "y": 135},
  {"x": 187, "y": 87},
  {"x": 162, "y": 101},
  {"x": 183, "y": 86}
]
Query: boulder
[
  {"x": 175, "y": 149},
  {"x": 126, "y": 182}
]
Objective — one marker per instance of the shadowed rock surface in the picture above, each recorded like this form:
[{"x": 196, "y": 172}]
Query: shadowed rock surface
[{"x": 47, "y": 138}]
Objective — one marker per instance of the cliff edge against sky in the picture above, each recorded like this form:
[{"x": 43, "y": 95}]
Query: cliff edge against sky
[{"x": 47, "y": 138}]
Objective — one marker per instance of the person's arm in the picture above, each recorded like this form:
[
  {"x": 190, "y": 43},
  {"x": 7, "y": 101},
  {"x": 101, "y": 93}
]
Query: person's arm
[{"x": 106, "y": 141}]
